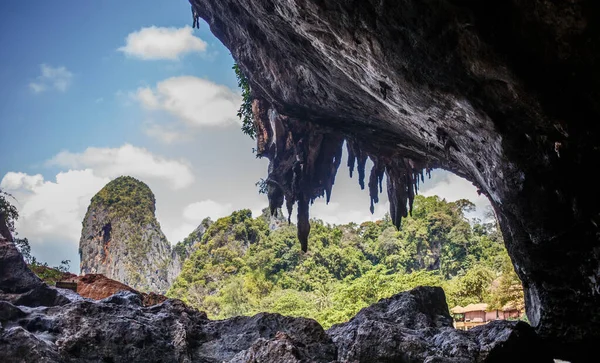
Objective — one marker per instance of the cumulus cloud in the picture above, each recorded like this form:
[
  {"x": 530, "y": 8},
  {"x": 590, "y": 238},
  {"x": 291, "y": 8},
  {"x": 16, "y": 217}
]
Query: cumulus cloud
[
  {"x": 452, "y": 187},
  {"x": 192, "y": 215},
  {"x": 164, "y": 134},
  {"x": 336, "y": 213},
  {"x": 153, "y": 43},
  {"x": 52, "y": 210},
  {"x": 14, "y": 181},
  {"x": 197, "y": 102},
  {"x": 58, "y": 78},
  {"x": 127, "y": 160}
]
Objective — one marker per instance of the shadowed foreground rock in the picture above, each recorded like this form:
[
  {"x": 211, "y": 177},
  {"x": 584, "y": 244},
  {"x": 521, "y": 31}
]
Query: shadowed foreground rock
[
  {"x": 413, "y": 326},
  {"x": 20, "y": 286}
]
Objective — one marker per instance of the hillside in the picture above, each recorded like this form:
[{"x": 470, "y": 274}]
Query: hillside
[{"x": 242, "y": 267}]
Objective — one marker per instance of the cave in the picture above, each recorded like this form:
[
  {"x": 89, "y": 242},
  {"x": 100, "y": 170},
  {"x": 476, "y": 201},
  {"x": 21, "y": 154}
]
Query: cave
[
  {"x": 106, "y": 233},
  {"x": 505, "y": 94}
]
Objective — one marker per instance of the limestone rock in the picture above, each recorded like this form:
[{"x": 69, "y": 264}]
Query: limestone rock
[
  {"x": 415, "y": 326},
  {"x": 98, "y": 287},
  {"x": 504, "y": 93},
  {"x": 20, "y": 286},
  {"x": 122, "y": 239}
]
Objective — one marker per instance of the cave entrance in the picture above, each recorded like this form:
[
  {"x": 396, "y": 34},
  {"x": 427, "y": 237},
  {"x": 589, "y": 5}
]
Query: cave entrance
[{"x": 451, "y": 240}]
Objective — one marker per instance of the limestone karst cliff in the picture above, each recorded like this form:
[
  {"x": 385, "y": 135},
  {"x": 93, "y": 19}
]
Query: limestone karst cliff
[
  {"x": 503, "y": 93},
  {"x": 122, "y": 239}
]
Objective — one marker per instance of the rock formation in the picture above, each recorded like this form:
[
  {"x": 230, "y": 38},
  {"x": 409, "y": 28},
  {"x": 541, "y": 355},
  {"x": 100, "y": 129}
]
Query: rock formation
[
  {"x": 20, "y": 286},
  {"x": 98, "y": 287},
  {"x": 122, "y": 239},
  {"x": 503, "y": 93},
  {"x": 413, "y": 326}
]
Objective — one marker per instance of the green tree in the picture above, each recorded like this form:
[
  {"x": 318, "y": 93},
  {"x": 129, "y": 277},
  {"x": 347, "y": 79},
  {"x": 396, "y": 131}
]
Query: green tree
[
  {"x": 8, "y": 215},
  {"x": 245, "y": 110},
  {"x": 240, "y": 266}
]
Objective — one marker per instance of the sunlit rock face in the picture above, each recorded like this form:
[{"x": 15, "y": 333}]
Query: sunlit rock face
[
  {"x": 503, "y": 93},
  {"x": 122, "y": 239}
]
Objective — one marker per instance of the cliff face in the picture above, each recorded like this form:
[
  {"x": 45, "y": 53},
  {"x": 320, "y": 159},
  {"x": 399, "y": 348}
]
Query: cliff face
[
  {"x": 122, "y": 239},
  {"x": 503, "y": 93}
]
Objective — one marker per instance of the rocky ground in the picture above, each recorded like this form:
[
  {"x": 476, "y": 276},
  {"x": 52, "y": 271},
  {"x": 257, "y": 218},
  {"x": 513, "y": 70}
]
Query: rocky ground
[{"x": 43, "y": 324}]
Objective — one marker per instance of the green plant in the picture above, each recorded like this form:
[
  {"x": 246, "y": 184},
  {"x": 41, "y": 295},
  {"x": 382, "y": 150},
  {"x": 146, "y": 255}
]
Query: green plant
[
  {"x": 245, "y": 110},
  {"x": 241, "y": 267},
  {"x": 8, "y": 212}
]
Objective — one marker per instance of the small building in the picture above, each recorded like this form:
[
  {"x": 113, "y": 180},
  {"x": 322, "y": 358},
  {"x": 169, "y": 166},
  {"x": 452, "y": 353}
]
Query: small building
[
  {"x": 478, "y": 314},
  {"x": 511, "y": 311}
]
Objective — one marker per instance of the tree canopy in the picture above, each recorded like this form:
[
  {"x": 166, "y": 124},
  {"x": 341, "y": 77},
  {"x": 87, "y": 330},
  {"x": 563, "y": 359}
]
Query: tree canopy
[{"x": 240, "y": 266}]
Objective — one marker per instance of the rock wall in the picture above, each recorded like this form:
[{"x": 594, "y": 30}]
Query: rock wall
[
  {"x": 503, "y": 93},
  {"x": 122, "y": 239}
]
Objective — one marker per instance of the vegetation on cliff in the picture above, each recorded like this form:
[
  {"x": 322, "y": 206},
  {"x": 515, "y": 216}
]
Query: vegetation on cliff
[
  {"x": 127, "y": 197},
  {"x": 122, "y": 239},
  {"x": 245, "y": 110},
  {"x": 241, "y": 267}
]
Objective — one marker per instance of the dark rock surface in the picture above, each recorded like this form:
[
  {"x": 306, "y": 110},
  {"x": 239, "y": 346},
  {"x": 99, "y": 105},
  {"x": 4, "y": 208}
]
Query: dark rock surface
[
  {"x": 503, "y": 93},
  {"x": 413, "y": 326},
  {"x": 20, "y": 286}
]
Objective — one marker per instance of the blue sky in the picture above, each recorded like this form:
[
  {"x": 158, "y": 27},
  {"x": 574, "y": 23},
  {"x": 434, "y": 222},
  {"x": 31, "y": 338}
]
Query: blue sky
[
  {"x": 91, "y": 90},
  {"x": 83, "y": 36}
]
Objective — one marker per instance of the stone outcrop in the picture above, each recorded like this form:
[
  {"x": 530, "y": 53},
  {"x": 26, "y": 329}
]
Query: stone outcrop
[
  {"x": 185, "y": 248},
  {"x": 122, "y": 239},
  {"x": 20, "y": 286},
  {"x": 413, "y": 326},
  {"x": 98, "y": 287},
  {"x": 503, "y": 93}
]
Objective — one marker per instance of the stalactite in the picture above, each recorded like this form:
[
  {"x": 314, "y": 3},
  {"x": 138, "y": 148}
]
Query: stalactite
[
  {"x": 351, "y": 157},
  {"x": 303, "y": 222},
  {"x": 304, "y": 159},
  {"x": 375, "y": 180},
  {"x": 360, "y": 167}
]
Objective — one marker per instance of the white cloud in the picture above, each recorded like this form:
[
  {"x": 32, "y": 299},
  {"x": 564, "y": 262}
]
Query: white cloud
[
  {"x": 452, "y": 187},
  {"x": 336, "y": 213},
  {"x": 154, "y": 43},
  {"x": 196, "y": 212},
  {"x": 196, "y": 101},
  {"x": 192, "y": 215},
  {"x": 37, "y": 87},
  {"x": 58, "y": 78},
  {"x": 14, "y": 181},
  {"x": 127, "y": 160},
  {"x": 52, "y": 210},
  {"x": 164, "y": 134}
]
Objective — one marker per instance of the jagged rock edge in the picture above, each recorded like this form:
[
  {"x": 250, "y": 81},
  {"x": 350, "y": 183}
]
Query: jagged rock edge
[{"x": 304, "y": 160}]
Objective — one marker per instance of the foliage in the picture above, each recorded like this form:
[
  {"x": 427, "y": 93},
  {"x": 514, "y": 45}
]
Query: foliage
[
  {"x": 8, "y": 212},
  {"x": 127, "y": 196},
  {"x": 23, "y": 246},
  {"x": 50, "y": 275},
  {"x": 241, "y": 267},
  {"x": 245, "y": 110},
  {"x": 183, "y": 248}
]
